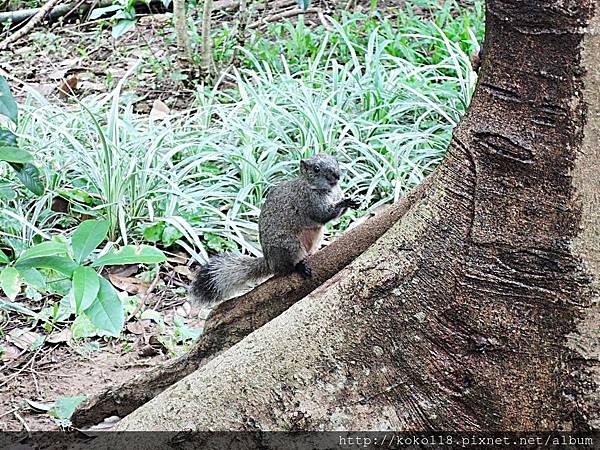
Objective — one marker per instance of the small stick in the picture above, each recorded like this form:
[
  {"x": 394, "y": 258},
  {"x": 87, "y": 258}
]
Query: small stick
[
  {"x": 350, "y": 5},
  {"x": 324, "y": 21},
  {"x": 20, "y": 419},
  {"x": 148, "y": 292},
  {"x": 29, "y": 26},
  {"x": 283, "y": 15},
  {"x": 19, "y": 371}
]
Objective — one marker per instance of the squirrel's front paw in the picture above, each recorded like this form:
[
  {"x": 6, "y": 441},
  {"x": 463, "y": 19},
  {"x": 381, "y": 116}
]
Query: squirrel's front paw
[
  {"x": 352, "y": 203},
  {"x": 303, "y": 269}
]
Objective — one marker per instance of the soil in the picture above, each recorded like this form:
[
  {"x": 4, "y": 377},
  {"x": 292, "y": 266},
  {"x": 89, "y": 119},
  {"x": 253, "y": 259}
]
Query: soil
[
  {"x": 60, "y": 371},
  {"x": 64, "y": 61},
  {"x": 63, "y": 366}
]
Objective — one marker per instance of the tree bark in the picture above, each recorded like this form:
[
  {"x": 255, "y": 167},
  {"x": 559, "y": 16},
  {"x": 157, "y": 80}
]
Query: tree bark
[
  {"x": 207, "y": 63},
  {"x": 184, "y": 49},
  {"x": 479, "y": 308},
  {"x": 234, "y": 319}
]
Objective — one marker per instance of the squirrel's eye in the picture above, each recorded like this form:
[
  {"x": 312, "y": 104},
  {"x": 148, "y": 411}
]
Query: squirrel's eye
[{"x": 317, "y": 169}]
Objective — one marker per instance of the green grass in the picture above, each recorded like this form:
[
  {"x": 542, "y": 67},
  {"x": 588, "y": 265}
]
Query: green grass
[{"x": 382, "y": 95}]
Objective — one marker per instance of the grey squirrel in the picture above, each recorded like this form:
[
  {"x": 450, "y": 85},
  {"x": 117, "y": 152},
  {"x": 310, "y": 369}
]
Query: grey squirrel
[{"x": 290, "y": 227}]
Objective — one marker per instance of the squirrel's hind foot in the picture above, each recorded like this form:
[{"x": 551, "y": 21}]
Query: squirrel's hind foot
[{"x": 303, "y": 269}]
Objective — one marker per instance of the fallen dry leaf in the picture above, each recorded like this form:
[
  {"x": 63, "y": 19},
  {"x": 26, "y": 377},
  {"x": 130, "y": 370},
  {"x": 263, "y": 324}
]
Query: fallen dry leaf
[
  {"x": 185, "y": 271},
  {"x": 128, "y": 284},
  {"x": 178, "y": 258},
  {"x": 23, "y": 339},
  {"x": 159, "y": 110},
  {"x": 124, "y": 271},
  {"x": 67, "y": 87},
  {"x": 10, "y": 352},
  {"x": 106, "y": 424},
  {"x": 147, "y": 351},
  {"x": 63, "y": 336},
  {"x": 136, "y": 327}
]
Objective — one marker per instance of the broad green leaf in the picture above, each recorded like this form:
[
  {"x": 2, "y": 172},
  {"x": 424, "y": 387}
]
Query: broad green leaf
[
  {"x": 151, "y": 314},
  {"x": 153, "y": 233},
  {"x": 13, "y": 154},
  {"x": 29, "y": 175},
  {"x": 8, "y": 107},
  {"x": 7, "y": 192},
  {"x": 82, "y": 327},
  {"x": 170, "y": 235},
  {"x": 88, "y": 235},
  {"x": 131, "y": 254},
  {"x": 99, "y": 12},
  {"x": 106, "y": 313},
  {"x": 7, "y": 137},
  {"x": 33, "y": 278},
  {"x": 31, "y": 293},
  {"x": 64, "y": 407},
  {"x": 61, "y": 264},
  {"x": 3, "y": 258},
  {"x": 122, "y": 27},
  {"x": 10, "y": 282},
  {"x": 48, "y": 248},
  {"x": 39, "y": 406},
  {"x": 65, "y": 308},
  {"x": 85, "y": 287}
]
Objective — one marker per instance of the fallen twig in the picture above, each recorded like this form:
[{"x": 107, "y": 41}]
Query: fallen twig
[
  {"x": 20, "y": 370},
  {"x": 283, "y": 15},
  {"x": 37, "y": 18},
  {"x": 20, "y": 419},
  {"x": 146, "y": 296}
]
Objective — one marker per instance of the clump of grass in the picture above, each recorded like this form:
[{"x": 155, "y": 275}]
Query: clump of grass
[{"x": 381, "y": 95}]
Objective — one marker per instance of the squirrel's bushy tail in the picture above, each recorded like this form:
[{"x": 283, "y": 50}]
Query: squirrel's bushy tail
[{"x": 226, "y": 275}]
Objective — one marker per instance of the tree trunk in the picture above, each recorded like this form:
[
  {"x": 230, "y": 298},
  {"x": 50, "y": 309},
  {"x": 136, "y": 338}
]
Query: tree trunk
[
  {"x": 207, "y": 64},
  {"x": 184, "y": 49},
  {"x": 479, "y": 308}
]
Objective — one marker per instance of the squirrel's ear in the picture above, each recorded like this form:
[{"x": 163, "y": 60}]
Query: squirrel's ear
[{"x": 303, "y": 165}]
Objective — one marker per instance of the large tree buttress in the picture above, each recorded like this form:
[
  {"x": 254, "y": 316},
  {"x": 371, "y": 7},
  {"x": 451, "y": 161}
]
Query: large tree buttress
[{"x": 479, "y": 308}]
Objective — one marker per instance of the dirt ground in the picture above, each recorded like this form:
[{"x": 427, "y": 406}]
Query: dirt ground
[
  {"x": 69, "y": 368},
  {"x": 33, "y": 376},
  {"x": 59, "y": 371},
  {"x": 80, "y": 59}
]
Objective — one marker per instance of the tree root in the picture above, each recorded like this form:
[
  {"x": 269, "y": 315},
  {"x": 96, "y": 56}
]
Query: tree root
[{"x": 234, "y": 319}]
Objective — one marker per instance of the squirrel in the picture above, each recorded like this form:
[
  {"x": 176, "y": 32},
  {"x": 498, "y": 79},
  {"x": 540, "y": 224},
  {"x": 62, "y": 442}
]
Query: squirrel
[{"x": 290, "y": 227}]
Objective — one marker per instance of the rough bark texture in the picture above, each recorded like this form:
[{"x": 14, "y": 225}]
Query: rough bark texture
[
  {"x": 478, "y": 309},
  {"x": 234, "y": 319},
  {"x": 184, "y": 49},
  {"x": 207, "y": 63}
]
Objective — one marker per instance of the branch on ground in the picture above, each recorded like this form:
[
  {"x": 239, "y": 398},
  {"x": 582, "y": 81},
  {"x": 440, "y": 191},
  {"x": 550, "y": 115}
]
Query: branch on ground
[
  {"x": 283, "y": 15},
  {"x": 37, "y": 18}
]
